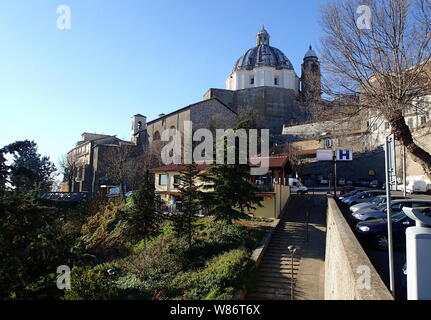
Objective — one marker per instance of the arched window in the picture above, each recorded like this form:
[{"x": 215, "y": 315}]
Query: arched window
[
  {"x": 156, "y": 136},
  {"x": 139, "y": 125}
]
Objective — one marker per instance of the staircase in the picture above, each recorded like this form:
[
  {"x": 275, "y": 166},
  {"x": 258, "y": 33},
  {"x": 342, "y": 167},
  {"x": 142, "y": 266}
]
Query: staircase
[{"x": 275, "y": 269}]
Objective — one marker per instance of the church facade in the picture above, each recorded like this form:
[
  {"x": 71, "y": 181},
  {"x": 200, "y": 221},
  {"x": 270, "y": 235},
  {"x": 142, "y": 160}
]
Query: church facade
[{"x": 263, "y": 82}]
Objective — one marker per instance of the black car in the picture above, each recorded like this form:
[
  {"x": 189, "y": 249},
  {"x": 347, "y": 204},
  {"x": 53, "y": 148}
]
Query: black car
[{"x": 375, "y": 232}]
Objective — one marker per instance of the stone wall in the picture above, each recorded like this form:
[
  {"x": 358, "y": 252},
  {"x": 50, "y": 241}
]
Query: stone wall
[
  {"x": 346, "y": 263},
  {"x": 202, "y": 114},
  {"x": 273, "y": 106}
]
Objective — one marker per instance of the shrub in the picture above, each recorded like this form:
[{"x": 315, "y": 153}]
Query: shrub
[
  {"x": 218, "y": 281},
  {"x": 216, "y": 238},
  {"x": 104, "y": 231},
  {"x": 92, "y": 284}
]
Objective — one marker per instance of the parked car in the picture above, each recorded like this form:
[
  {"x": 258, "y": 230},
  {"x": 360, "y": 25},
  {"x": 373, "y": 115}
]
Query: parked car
[
  {"x": 113, "y": 192},
  {"x": 324, "y": 181},
  {"x": 418, "y": 186},
  {"x": 375, "y": 184},
  {"x": 341, "y": 182},
  {"x": 364, "y": 196},
  {"x": 380, "y": 211},
  {"x": 129, "y": 194},
  {"x": 349, "y": 194},
  {"x": 346, "y": 189},
  {"x": 363, "y": 183},
  {"x": 375, "y": 232},
  {"x": 374, "y": 202}
]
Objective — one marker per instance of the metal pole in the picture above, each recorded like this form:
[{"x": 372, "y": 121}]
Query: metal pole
[
  {"x": 291, "y": 277},
  {"x": 389, "y": 220},
  {"x": 335, "y": 176},
  {"x": 404, "y": 172},
  {"x": 292, "y": 250}
]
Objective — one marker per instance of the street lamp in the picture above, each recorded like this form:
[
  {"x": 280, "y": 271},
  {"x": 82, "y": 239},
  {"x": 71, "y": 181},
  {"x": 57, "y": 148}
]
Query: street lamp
[{"x": 292, "y": 250}]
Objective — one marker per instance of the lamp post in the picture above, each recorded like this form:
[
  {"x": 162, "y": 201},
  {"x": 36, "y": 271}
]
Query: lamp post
[{"x": 292, "y": 250}]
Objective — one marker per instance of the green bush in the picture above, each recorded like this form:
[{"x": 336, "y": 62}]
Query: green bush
[
  {"x": 222, "y": 276},
  {"x": 215, "y": 238},
  {"x": 92, "y": 284},
  {"x": 104, "y": 231}
]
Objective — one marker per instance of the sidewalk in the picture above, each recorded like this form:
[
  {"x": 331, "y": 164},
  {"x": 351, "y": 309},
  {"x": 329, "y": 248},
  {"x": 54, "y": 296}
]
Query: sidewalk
[{"x": 310, "y": 280}]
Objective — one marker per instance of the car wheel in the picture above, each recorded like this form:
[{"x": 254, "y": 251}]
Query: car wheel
[{"x": 381, "y": 241}]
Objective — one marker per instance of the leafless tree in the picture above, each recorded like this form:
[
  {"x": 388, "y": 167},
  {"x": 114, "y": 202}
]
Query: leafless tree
[
  {"x": 384, "y": 59},
  {"x": 122, "y": 166},
  {"x": 68, "y": 168},
  {"x": 296, "y": 161}
]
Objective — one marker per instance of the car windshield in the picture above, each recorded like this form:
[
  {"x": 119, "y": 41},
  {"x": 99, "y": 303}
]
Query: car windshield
[
  {"x": 376, "y": 200},
  {"x": 398, "y": 217},
  {"x": 381, "y": 207}
]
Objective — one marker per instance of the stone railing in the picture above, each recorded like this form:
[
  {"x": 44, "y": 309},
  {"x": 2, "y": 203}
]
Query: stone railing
[{"x": 349, "y": 274}]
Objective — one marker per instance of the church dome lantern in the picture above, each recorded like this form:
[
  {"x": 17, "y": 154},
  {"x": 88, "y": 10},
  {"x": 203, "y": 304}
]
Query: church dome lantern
[{"x": 262, "y": 65}]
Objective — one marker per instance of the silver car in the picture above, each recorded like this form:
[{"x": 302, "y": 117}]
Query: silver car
[
  {"x": 380, "y": 211},
  {"x": 362, "y": 197},
  {"x": 374, "y": 202}
]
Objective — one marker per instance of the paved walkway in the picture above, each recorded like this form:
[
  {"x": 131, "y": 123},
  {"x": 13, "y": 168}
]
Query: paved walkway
[{"x": 275, "y": 269}]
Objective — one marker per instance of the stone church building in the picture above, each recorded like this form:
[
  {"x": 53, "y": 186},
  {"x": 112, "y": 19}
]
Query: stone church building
[{"x": 263, "y": 81}]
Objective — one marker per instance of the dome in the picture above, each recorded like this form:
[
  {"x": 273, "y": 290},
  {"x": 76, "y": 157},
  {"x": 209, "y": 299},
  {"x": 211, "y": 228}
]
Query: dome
[
  {"x": 263, "y": 55},
  {"x": 310, "y": 53}
]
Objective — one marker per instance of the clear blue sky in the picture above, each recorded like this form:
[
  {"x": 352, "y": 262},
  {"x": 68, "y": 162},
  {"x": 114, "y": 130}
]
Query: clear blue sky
[{"x": 123, "y": 57}]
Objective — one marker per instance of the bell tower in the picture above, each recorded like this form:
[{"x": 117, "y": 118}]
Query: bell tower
[
  {"x": 310, "y": 76},
  {"x": 139, "y": 125}
]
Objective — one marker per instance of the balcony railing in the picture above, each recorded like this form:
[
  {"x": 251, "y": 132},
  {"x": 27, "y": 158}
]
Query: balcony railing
[{"x": 267, "y": 187}]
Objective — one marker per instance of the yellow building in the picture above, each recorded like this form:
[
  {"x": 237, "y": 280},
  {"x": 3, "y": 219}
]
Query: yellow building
[{"x": 274, "y": 196}]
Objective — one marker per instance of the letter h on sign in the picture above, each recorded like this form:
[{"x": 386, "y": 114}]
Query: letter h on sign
[{"x": 344, "y": 155}]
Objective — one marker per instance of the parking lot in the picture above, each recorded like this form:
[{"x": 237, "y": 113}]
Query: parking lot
[{"x": 380, "y": 259}]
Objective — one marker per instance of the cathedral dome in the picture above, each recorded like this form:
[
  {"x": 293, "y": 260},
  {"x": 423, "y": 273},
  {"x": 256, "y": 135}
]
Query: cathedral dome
[{"x": 263, "y": 55}]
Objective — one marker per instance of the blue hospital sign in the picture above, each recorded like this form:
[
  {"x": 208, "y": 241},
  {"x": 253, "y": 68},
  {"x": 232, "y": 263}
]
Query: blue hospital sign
[{"x": 344, "y": 155}]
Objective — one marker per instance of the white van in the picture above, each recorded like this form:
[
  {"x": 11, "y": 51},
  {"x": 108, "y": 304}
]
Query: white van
[
  {"x": 418, "y": 186},
  {"x": 296, "y": 186}
]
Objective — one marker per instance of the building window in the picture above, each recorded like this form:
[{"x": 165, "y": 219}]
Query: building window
[
  {"x": 410, "y": 123},
  {"x": 177, "y": 181},
  {"x": 276, "y": 81},
  {"x": 375, "y": 127},
  {"x": 387, "y": 126},
  {"x": 423, "y": 120},
  {"x": 163, "y": 179},
  {"x": 156, "y": 136},
  {"x": 252, "y": 80}
]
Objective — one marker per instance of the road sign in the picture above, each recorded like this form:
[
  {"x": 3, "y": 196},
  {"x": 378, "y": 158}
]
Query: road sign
[
  {"x": 390, "y": 167},
  {"x": 391, "y": 161},
  {"x": 344, "y": 155},
  {"x": 325, "y": 154}
]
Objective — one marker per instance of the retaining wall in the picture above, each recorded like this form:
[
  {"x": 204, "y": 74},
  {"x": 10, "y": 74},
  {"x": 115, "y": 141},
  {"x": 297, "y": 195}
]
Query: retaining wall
[{"x": 347, "y": 266}]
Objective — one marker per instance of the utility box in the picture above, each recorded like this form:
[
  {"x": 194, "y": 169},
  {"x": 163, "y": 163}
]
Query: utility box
[{"x": 418, "y": 241}]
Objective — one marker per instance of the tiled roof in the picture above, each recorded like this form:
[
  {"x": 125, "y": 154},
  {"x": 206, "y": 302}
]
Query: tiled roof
[{"x": 178, "y": 167}]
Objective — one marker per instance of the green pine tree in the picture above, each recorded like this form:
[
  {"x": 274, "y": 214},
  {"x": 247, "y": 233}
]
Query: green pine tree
[
  {"x": 232, "y": 195},
  {"x": 189, "y": 197},
  {"x": 143, "y": 216}
]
